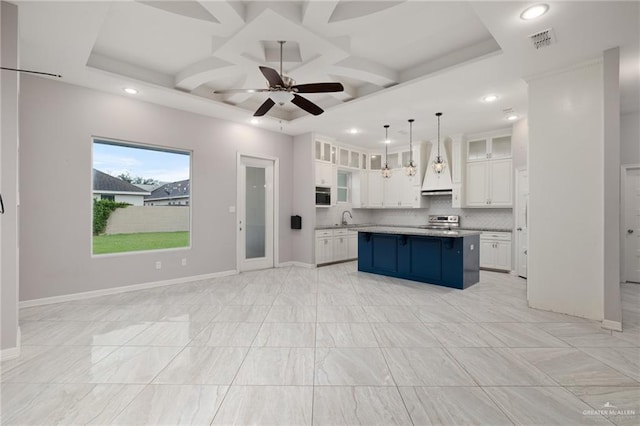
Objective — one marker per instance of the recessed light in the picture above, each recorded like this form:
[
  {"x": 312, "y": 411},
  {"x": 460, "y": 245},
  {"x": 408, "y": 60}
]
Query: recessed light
[
  {"x": 353, "y": 131},
  {"x": 512, "y": 117},
  {"x": 534, "y": 11},
  {"x": 490, "y": 98},
  {"x": 131, "y": 90},
  {"x": 255, "y": 121}
]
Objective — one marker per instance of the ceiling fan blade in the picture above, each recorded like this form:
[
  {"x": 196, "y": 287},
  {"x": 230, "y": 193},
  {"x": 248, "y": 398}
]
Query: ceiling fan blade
[
  {"x": 306, "y": 105},
  {"x": 264, "y": 108},
  {"x": 272, "y": 76},
  {"x": 225, "y": 91},
  {"x": 318, "y": 87}
]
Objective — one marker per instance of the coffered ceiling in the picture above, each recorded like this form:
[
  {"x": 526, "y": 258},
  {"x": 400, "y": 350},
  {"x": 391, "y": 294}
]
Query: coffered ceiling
[{"x": 396, "y": 59}]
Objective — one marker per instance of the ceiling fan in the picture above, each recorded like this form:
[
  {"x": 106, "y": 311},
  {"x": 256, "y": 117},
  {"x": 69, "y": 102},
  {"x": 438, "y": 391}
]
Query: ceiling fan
[{"x": 283, "y": 88}]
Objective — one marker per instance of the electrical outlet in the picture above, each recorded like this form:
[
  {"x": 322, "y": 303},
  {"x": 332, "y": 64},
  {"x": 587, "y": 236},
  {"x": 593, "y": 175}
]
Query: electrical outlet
[
  {"x": 184, "y": 261},
  {"x": 158, "y": 264}
]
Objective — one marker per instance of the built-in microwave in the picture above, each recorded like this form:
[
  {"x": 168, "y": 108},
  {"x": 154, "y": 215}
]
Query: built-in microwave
[{"x": 323, "y": 196}]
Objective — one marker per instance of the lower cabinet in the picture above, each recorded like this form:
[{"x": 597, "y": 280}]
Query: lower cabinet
[
  {"x": 336, "y": 246},
  {"x": 495, "y": 250}
]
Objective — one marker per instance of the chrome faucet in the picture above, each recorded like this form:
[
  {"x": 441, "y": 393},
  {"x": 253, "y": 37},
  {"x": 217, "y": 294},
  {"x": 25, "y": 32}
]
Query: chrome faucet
[{"x": 344, "y": 221}]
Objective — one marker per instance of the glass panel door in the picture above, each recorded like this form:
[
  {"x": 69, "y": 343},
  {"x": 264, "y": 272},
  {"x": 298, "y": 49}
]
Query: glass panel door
[{"x": 255, "y": 194}]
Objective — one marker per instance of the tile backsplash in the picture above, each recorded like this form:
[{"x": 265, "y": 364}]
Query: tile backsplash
[{"x": 469, "y": 218}]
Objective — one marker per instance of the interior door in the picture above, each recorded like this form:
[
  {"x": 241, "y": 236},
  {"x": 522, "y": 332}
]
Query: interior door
[
  {"x": 632, "y": 225},
  {"x": 522, "y": 231},
  {"x": 255, "y": 213}
]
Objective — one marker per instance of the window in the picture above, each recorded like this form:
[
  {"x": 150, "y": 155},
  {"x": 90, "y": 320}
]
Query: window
[
  {"x": 344, "y": 187},
  {"x": 141, "y": 196}
]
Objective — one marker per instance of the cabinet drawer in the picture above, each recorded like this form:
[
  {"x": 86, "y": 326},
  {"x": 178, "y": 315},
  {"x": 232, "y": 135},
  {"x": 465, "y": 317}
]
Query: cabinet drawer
[
  {"x": 496, "y": 236},
  {"x": 324, "y": 233},
  {"x": 340, "y": 232}
]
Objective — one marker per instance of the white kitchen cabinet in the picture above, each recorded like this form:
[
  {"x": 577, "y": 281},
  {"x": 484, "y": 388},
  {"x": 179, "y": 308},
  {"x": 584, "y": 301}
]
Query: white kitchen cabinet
[
  {"x": 325, "y": 151},
  {"x": 340, "y": 245},
  {"x": 323, "y": 174},
  {"x": 489, "y": 183},
  {"x": 375, "y": 189},
  {"x": 352, "y": 242},
  {"x": 494, "y": 147},
  {"x": 336, "y": 245},
  {"x": 495, "y": 250},
  {"x": 324, "y": 247},
  {"x": 456, "y": 196}
]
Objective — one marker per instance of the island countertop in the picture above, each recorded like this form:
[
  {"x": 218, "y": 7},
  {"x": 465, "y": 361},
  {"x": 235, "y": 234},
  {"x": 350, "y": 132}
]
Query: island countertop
[{"x": 407, "y": 230}]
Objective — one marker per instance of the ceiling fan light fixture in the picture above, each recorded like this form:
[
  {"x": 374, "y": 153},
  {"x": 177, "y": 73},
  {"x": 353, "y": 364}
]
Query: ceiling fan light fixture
[{"x": 281, "y": 97}]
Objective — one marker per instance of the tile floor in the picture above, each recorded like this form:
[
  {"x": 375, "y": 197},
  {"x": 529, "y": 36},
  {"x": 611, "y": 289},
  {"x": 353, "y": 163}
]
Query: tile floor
[{"x": 329, "y": 346}]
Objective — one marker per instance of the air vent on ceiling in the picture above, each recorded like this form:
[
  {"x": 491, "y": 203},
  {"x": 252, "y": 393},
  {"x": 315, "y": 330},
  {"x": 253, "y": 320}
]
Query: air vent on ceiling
[{"x": 542, "y": 38}]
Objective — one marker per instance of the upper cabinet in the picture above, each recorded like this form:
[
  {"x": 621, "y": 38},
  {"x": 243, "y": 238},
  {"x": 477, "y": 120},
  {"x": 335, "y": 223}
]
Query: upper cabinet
[
  {"x": 489, "y": 172},
  {"x": 350, "y": 158},
  {"x": 325, "y": 151},
  {"x": 495, "y": 147}
]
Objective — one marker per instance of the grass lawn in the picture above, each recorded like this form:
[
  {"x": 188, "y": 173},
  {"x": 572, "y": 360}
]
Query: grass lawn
[{"x": 119, "y": 243}]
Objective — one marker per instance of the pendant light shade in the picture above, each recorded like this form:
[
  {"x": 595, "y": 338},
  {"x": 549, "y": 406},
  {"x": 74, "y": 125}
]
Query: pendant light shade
[
  {"x": 439, "y": 164},
  {"x": 386, "y": 171},
  {"x": 411, "y": 169}
]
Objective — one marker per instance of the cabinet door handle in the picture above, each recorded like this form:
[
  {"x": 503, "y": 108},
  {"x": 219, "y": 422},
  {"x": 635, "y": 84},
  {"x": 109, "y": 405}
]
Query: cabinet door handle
[{"x": 1, "y": 205}]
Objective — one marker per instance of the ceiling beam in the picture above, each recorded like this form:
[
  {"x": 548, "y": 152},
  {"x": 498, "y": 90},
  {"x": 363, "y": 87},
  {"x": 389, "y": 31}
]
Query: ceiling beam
[{"x": 365, "y": 70}]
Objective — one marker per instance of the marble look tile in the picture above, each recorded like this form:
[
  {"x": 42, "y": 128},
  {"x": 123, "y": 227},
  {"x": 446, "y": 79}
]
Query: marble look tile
[
  {"x": 167, "y": 334},
  {"x": 440, "y": 313},
  {"x": 99, "y": 406},
  {"x": 390, "y": 314},
  {"x": 76, "y": 313},
  {"x": 266, "y": 405},
  {"x": 351, "y": 366},
  {"x": 463, "y": 335},
  {"x": 127, "y": 364},
  {"x": 246, "y": 313},
  {"x": 341, "y": 314},
  {"x": 55, "y": 363},
  {"x": 227, "y": 334},
  {"x": 79, "y": 333},
  {"x": 173, "y": 404},
  {"x": 203, "y": 366},
  {"x": 287, "y": 335},
  {"x": 290, "y": 313},
  {"x": 27, "y": 353},
  {"x": 487, "y": 312},
  {"x": 345, "y": 335},
  {"x": 335, "y": 287},
  {"x": 625, "y": 360},
  {"x": 425, "y": 367},
  {"x": 621, "y": 404},
  {"x": 295, "y": 299},
  {"x": 499, "y": 367},
  {"x": 584, "y": 335},
  {"x": 516, "y": 335},
  {"x": 451, "y": 406},
  {"x": 404, "y": 335},
  {"x": 542, "y": 406},
  {"x": 347, "y": 405},
  {"x": 277, "y": 366},
  {"x": 247, "y": 297},
  {"x": 338, "y": 299},
  {"x": 571, "y": 367}
]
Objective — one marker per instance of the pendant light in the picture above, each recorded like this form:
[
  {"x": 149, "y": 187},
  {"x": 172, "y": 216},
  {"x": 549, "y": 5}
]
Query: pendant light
[
  {"x": 439, "y": 164},
  {"x": 386, "y": 171},
  {"x": 410, "y": 170}
]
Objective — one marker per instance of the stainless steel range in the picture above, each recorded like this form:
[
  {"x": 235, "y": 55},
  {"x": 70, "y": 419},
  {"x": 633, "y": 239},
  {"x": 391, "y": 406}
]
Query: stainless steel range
[{"x": 450, "y": 222}]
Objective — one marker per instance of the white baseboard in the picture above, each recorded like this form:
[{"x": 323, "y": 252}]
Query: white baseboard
[
  {"x": 123, "y": 289},
  {"x": 612, "y": 325},
  {"x": 294, "y": 263},
  {"x": 11, "y": 353}
]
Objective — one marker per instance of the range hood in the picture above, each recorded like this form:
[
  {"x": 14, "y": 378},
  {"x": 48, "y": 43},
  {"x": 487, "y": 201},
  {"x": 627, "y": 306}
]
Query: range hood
[{"x": 437, "y": 183}]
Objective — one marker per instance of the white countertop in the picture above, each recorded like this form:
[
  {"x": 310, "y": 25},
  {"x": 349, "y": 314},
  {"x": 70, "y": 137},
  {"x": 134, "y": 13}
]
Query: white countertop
[{"x": 407, "y": 230}]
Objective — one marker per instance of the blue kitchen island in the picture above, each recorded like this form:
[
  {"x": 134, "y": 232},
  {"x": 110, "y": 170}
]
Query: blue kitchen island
[{"x": 447, "y": 258}]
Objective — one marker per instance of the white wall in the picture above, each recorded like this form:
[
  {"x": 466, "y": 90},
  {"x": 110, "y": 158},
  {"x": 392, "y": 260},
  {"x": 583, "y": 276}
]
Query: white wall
[
  {"x": 304, "y": 199},
  {"x": 57, "y": 122},
  {"x": 566, "y": 260},
  {"x": 630, "y": 138},
  {"x": 134, "y": 200},
  {"x": 520, "y": 144},
  {"x": 9, "y": 274}
]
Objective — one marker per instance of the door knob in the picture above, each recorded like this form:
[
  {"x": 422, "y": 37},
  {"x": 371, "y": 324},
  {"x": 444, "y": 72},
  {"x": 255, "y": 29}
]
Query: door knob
[
  {"x": 629, "y": 231},
  {"x": 519, "y": 229}
]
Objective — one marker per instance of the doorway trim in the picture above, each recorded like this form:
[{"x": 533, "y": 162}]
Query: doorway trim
[
  {"x": 624, "y": 169},
  {"x": 276, "y": 204},
  {"x": 517, "y": 234}
]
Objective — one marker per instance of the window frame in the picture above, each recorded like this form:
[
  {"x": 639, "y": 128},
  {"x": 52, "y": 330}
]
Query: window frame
[{"x": 348, "y": 175}]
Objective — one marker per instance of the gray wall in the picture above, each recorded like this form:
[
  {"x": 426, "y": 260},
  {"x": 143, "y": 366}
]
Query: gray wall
[
  {"x": 9, "y": 183},
  {"x": 57, "y": 122},
  {"x": 630, "y": 138},
  {"x": 304, "y": 199}
]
